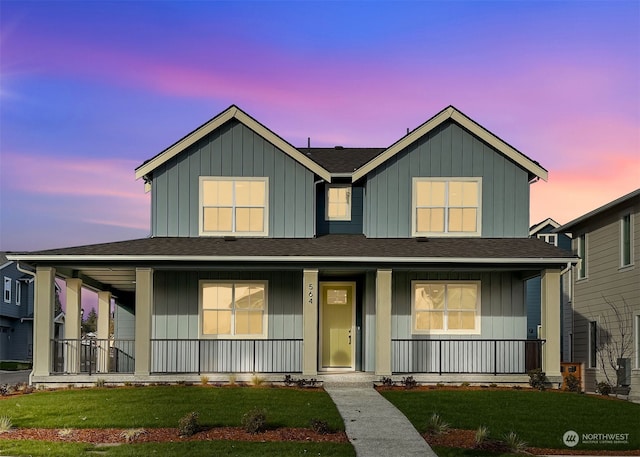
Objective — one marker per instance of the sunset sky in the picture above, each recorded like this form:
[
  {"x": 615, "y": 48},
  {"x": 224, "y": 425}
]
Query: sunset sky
[{"x": 89, "y": 90}]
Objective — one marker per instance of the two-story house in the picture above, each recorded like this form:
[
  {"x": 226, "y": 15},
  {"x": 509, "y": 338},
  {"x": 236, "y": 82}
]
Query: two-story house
[
  {"x": 606, "y": 295},
  {"x": 16, "y": 312},
  {"x": 266, "y": 258}
]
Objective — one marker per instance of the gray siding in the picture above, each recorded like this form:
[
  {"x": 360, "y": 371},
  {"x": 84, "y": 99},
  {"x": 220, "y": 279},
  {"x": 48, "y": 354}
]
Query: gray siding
[
  {"x": 176, "y": 308},
  {"x": 448, "y": 151},
  {"x": 354, "y": 226},
  {"x": 124, "y": 323},
  {"x": 502, "y": 304},
  {"x": 232, "y": 150}
]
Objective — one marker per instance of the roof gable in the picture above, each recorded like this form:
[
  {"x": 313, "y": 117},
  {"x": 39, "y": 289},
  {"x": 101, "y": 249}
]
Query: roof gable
[
  {"x": 233, "y": 112},
  {"x": 450, "y": 113},
  {"x": 624, "y": 200},
  {"x": 542, "y": 225}
]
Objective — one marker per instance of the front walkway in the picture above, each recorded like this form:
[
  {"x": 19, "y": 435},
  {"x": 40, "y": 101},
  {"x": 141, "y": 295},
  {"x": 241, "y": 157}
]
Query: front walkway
[{"x": 374, "y": 426}]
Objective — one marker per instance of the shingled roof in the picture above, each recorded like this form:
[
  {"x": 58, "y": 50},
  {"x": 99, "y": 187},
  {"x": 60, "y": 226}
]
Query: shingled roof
[{"x": 339, "y": 159}]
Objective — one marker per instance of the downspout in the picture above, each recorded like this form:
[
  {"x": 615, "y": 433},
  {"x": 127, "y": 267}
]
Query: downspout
[{"x": 315, "y": 205}]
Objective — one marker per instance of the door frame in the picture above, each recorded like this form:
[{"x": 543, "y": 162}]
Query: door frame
[{"x": 321, "y": 287}]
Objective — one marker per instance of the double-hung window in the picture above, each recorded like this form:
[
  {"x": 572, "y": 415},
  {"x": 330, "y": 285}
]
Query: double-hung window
[
  {"x": 18, "y": 293},
  {"x": 582, "y": 253},
  {"x": 446, "y": 206},
  {"x": 233, "y": 309},
  {"x": 440, "y": 307},
  {"x": 7, "y": 290},
  {"x": 338, "y": 203},
  {"x": 626, "y": 247},
  {"x": 234, "y": 206}
]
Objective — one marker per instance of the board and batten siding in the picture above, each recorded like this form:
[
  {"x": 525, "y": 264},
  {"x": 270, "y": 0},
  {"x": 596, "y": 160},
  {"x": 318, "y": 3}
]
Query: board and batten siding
[
  {"x": 353, "y": 226},
  {"x": 176, "y": 304},
  {"x": 447, "y": 151},
  {"x": 232, "y": 150},
  {"x": 503, "y": 311}
]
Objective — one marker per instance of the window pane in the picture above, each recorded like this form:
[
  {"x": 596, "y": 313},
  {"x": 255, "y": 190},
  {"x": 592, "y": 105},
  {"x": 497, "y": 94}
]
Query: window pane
[
  {"x": 430, "y": 297},
  {"x": 469, "y": 193},
  {"x": 216, "y": 322},
  {"x": 249, "y": 219},
  {"x": 248, "y": 322},
  {"x": 430, "y": 220},
  {"x": 218, "y": 296},
  {"x": 430, "y": 320},
  {"x": 461, "y": 320},
  {"x": 249, "y": 296},
  {"x": 217, "y": 220},
  {"x": 455, "y": 220},
  {"x": 337, "y": 296},
  {"x": 455, "y": 193},
  {"x": 430, "y": 193},
  {"x": 217, "y": 193},
  {"x": 469, "y": 218},
  {"x": 257, "y": 193}
]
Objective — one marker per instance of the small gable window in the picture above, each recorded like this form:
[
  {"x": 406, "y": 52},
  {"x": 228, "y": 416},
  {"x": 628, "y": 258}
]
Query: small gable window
[
  {"x": 234, "y": 206},
  {"x": 550, "y": 238},
  {"x": 446, "y": 206},
  {"x": 338, "y": 203},
  {"x": 7, "y": 290}
]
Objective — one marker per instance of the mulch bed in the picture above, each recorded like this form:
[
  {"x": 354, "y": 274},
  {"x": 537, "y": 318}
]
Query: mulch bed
[{"x": 157, "y": 435}]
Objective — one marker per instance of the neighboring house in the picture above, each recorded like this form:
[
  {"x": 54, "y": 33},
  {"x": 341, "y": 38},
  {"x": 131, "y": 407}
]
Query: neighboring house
[
  {"x": 266, "y": 258},
  {"x": 545, "y": 231},
  {"x": 16, "y": 312},
  {"x": 606, "y": 294}
]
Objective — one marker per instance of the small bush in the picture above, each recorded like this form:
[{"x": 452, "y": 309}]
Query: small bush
[
  {"x": 493, "y": 385},
  {"x": 4, "y": 390},
  {"x": 436, "y": 426},
  {"x": 482, "y": 434},
  {"x": 465, "y": 384},
  {"x": 440, "y": 384},
  {"x": 204, "y": 380},
  {"x": 516, "y": 387},
  {"x": 5, "y": 424},
  {"x": 65, "y": 433},
  {"x": 603, "y": 388},
  {"x": 256, "y": 380},
  {"x": 319, "y": 426},
  {"x": 409, "y": 382},
  {"x": 254, "y": 421},
  {"x": 386, "y": 381},
  {"x": 188, "y": 424},
  {"x": 100, "y": 382},
  {"x": 572, "y": 384},
  {"x": 514, "y": 443},
  {"x": 132, "y": 434},
  {"x": 537, "y": 379},
  {"x": 289, "y": 380},
  {"x": 232, "y": 379},
  {"x": 128, "y": 383}
]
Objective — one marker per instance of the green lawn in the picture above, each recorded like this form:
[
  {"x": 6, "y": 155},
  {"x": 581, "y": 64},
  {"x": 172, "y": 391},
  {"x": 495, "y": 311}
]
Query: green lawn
[
  {"x": 134, "y": 407},
  {"x": 539, "y": 418},
  {"x": 187, "y": 449}
]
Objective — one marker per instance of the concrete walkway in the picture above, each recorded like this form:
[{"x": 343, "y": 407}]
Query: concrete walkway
[{"x": 374, "y": 426}]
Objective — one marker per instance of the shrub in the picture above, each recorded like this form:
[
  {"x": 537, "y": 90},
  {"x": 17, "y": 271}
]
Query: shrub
[
  {"x": 204, "y": 380},
  {"x": 256, "y": 380},
  {"x": 482, "y": 433},
  {"x": 5, "y": 424},
  {"x": 572, "y": 384},
  {"x": 514, "y": 443},
  {"x": 409, "y": 382},
  {"x": 386, "y": 381},
  {"x": 465, "y": 384},
  {"x": 4, "y": 389},
  {"x": 440, "y": 384},
  {"x": 436, "y": 426},
  {"x": 254, "y": 421},
  {"x": 493, "y": 385},
  {"x": 537, "y": 379},
  {"x": 100, "y": 382},
  {"x": 232, "y": 379},
  {"x": 603, "y": 388},
  {"x": 289, "y": 380},
  {"x": 188, "y": 424},
  {"x": 132, "y": 434},
  {"x": 320, "y": 426}
]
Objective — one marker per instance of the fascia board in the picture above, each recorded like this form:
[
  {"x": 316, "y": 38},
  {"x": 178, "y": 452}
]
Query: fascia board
[
  {"x": 232, "y": 113},
  {"x": 543, "y": 224},
  {"x": 288, "y": 259}
]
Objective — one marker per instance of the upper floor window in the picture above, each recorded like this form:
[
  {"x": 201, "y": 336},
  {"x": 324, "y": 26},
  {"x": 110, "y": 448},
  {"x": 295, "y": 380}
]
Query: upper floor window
[
  {"x": 18, "y": 293},
  {"x": 446, "y": 206},
  {"x": 550, "y": 238},
  {"x": 7, "y": 290},
  {"x": 593, "y": 344},
  {"x": 234, "y": 206},
  {"x": 626, "y": 248},
  {"x": 582, "y": 253},
  {"x": 446, "y": 307},
  {"x": 231, "y": 309},
  {"x": 338, "y": 203}
]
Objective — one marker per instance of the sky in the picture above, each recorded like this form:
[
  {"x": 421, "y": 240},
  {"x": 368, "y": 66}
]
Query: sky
[{"x": 91, "y": 89}]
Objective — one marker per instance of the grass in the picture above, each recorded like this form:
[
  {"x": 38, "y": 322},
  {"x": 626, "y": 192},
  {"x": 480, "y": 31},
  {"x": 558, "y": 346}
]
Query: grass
[
  {"x": 539, "y": 418},
  {"x": 188, "y": 449},
  {"x": 150, "y": 407}
]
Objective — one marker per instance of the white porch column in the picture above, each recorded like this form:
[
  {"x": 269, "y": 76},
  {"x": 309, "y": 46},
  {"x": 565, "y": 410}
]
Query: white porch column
[
  {"x": 102, "y": 333},
  {"x": 383, "y": 322},
  {"x": 43, "y": 320},
  {"x": 310, "y": 323},
  {"x": 72, "y": 324},
  {"x": 550, "y": 320},
  {"x": 144, "y": 307}
]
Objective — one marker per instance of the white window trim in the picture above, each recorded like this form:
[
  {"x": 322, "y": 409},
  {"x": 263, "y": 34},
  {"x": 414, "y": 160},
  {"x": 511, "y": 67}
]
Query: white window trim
[
  {"x": 6, "y": 294},
  {"x": 265, "y": 225},
  {"x": 631, "y": 247},
  {"x": 252, "y": 336},
  {"x": 583, "y": 257},
  {"x": 546, "y": 236},
  {"x": 18, "y": 293},
  {"x": 326, "y": 202},
  {"x": 476, "y": 331},
  {"x": 415, "y": 233}
]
